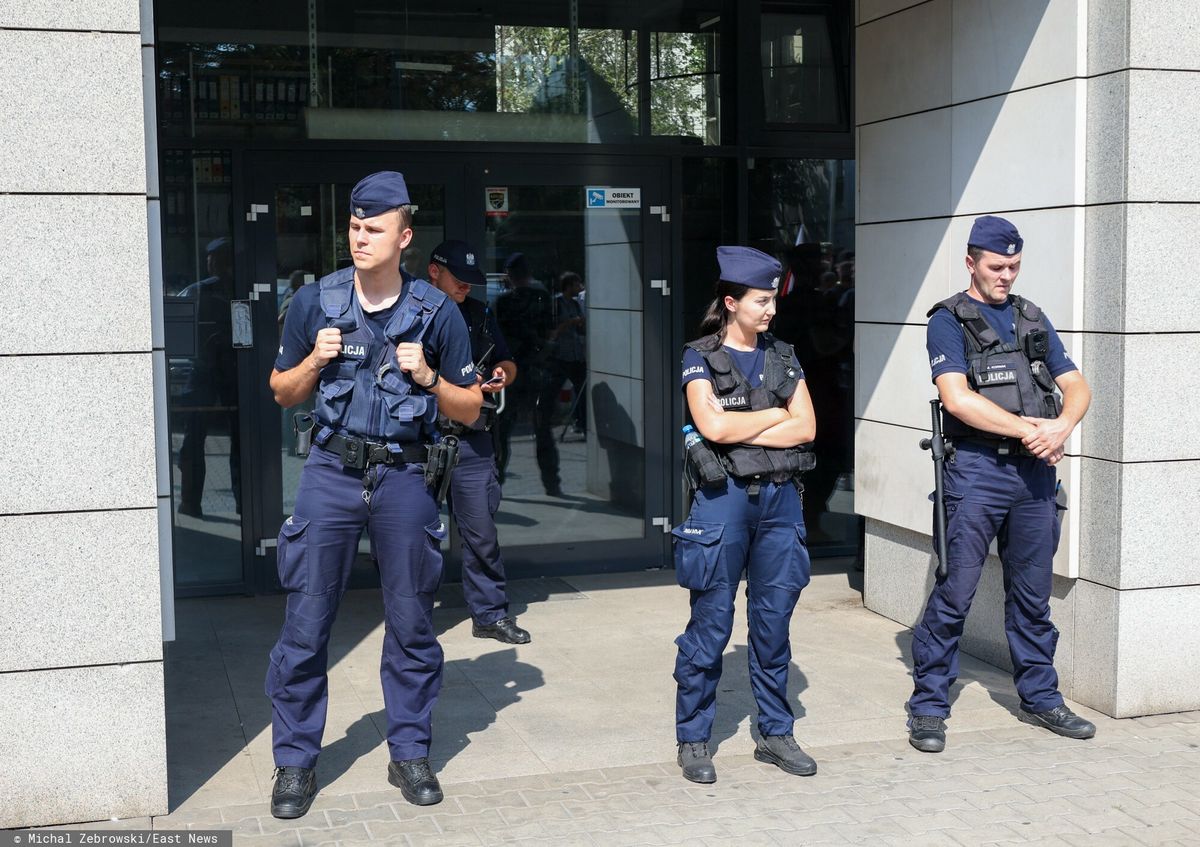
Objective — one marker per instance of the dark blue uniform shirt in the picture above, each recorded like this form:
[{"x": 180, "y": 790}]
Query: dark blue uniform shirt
[
  {"x": 946, "y": 339},
  {"x": 447, "y": 343}
]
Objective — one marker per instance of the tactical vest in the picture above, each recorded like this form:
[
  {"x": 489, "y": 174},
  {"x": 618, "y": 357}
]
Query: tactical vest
[
  {"x": 1013, "y": 376},
  {"x": 734, "y": 393},
  {"x": 482, "y": 354},
  {"x": 363, "y": 393}
]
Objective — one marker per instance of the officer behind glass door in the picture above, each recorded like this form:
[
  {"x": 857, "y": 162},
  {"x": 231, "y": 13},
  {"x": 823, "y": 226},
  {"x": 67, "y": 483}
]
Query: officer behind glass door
[
  {"x": 747, "y": 396},
  {"x": 474, "y": 486},
  {"x": 385, "y": 357},
  {"x": 996, "y": 360}
]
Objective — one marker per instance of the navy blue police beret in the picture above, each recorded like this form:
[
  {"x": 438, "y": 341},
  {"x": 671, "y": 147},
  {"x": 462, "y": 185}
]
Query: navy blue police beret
[
  {"x": 517, "y": 262},
  {"x": 218, "y": 244},
  {"x": 996, "y": 235},
  {"x": 750, "y": 267},
  {"x": 458, "y": 258},
  {"x": 378, "y": 193}
]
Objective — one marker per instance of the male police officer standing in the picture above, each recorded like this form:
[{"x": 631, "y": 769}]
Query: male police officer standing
[
  {"x": 474, "y": 486},
  {"x": 385, "y": 357},
  {"x": 996, "y": 360}
]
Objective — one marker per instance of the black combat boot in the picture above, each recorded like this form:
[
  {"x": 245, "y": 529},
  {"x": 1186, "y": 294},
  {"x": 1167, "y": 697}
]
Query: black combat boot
[
  {"x": 927, "y": 733},
  {"x": 416, "y": 781},
  {"x": 505, "y": 630},
  {"x": 294, "y": 791},
  {"x": 696, "y": 762},
  {"x": 785, "y": 753},
  {"x": 1060, "y": 720}
]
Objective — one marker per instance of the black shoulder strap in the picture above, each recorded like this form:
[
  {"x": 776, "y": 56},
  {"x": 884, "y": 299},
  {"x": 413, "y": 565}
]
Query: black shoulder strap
[
  {"x": 966, "y": 311},
  {"x": 1028, "y": 316},
  {"x": 706, "y": 344},
  {"x": 779, "y": 374}
]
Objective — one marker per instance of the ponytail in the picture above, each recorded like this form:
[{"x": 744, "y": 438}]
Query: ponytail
[{"x": 716, "y": 316}]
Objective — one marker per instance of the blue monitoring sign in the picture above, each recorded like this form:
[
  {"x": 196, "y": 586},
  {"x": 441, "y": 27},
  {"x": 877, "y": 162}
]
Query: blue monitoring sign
[{"x": 602, "y": 197}]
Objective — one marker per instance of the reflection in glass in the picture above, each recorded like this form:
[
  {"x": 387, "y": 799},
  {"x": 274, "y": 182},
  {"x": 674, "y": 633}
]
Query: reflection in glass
[
  {"x": 685, "y": 85},
  {"x": 804, "y": 214},
  {"x": 559, "y": 72},
  {"x": 202, "y": 381},
  {"x": 566, "y": 293},
  {"x": 803, "y": 70}
]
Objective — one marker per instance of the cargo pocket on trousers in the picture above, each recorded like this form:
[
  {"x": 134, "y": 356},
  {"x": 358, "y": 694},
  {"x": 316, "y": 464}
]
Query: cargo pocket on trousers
[
  {"x": 697, "y": 552},
  {"x": 953, "y": 501},
  {"x": 920, "y": 648},
  {"x": 800, "y": 568},
  {"x": 291, "y": 554},
  {"x": 429, "y": 575}
]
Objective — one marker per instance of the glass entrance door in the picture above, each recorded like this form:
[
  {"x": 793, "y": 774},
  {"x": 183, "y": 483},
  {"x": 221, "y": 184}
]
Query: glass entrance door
[
  {"x": 578, "y": 291},
  {"x": 576, "y": 268}
]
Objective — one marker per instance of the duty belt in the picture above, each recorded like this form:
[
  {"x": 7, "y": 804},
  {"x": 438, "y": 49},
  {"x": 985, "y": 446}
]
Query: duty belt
[
  {"x": 359, "y": 452},
  {"x": 1002, "y": 446},
  {"x": 488, "y": 413}
]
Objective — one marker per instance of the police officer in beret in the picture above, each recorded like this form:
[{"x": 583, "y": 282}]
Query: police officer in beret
[
  {"x": 747, "y": 397},
  {"x": 385, "y": 356},
  {"x": 997, "y": 362},
  {"x": 474, "y": 486}
]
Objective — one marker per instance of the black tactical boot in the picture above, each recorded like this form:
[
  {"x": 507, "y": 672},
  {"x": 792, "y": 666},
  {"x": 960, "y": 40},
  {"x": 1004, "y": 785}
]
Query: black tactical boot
[
  {"x": 505, "y": 630},
  {"x": 294, "y": 791},
  {"x": 1060, "y": 720},
  {"x": 416, "y": 781},
  {"x": 696, "y": 762},
  {"x": 927, "y": 733},
  {"x": 783, "y": 751}
]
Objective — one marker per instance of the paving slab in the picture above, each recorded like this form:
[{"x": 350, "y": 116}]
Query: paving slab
[{"x": 568, "y": 740}]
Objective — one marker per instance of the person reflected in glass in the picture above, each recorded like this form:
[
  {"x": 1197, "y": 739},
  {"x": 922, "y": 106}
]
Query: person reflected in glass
[
  {"x": 566, "y": 360},
  {"x": 747, "y": 397},
  {"x": 523, "y": 313},
  {"x": 210, "y": 393},
  {"x": 813, "y": 318},
  {"x": 295, "y": 283}
]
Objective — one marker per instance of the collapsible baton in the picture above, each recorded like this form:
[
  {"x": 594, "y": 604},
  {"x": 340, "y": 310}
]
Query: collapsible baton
[{"x": 937, "y": 448}]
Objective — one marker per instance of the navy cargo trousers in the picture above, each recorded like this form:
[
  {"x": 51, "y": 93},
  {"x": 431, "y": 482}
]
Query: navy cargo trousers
[
  {"x": 317, "y": 547},
  {"x": 730, "y": 532},
  {"x": 1009, "y": 499}
]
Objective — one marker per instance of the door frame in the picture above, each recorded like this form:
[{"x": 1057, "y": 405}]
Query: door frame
[{"x": 465, "y": 179}]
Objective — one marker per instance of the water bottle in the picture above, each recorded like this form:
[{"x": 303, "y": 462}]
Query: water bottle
[{"x": 706, "y": 468}]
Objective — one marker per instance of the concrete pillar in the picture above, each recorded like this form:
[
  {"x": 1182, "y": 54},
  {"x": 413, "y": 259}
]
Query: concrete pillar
[
  {"x": 964, "y": 108},
  {"x": 81, "y": 673},
  {"x": 1076, "y": 120},
  {"x": 1139, "y": 591}
]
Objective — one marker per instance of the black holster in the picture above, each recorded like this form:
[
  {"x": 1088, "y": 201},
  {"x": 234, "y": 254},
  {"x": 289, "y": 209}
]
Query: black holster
[
  {"x": 303, "y": 424},
  {"x": 443, "y": 456}
]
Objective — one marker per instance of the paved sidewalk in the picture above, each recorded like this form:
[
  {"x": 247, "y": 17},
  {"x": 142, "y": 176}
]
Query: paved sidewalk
[{"x": 569, "y": 740}]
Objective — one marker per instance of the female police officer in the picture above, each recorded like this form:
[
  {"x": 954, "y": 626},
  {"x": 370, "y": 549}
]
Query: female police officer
[{"x": 747, "y": 397}]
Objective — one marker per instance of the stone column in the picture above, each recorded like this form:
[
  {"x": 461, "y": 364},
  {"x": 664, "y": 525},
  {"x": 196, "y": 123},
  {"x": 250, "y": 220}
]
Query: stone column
[
  {"x": 81, "y": 672},
  {"x": 964, "y": 108},
  {"x": 1139, "y": 591},
  {"x": 1077, "y": 121}
]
